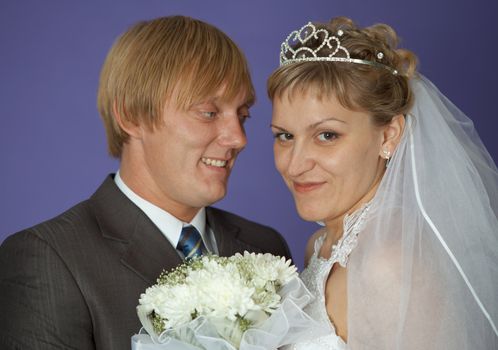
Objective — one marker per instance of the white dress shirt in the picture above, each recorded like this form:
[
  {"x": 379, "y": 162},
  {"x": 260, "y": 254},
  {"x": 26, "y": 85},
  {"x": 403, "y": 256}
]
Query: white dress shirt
[{"x": 170, "y": 226}]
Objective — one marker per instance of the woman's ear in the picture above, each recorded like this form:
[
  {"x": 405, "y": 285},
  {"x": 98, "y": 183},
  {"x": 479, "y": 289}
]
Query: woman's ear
[
  {"x": 392, "y": 135},
  {"x": 131, "y": 128}
]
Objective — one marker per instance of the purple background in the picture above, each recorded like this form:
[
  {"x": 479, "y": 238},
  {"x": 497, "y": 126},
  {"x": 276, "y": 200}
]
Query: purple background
[{"x": 52, "y": 146}]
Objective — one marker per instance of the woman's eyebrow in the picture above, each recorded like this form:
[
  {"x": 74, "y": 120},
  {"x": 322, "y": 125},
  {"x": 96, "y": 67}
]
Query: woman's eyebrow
[{"x": 314, "y": 125}]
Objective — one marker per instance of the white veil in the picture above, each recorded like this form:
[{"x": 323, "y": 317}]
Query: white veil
[{"x": 425, "y": 272}]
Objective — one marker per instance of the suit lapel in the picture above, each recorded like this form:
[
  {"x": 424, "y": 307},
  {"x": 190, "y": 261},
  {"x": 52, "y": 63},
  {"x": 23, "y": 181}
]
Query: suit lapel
[
  {"x": 227, "y": 235},
  {"x": 142, "y": 247},
  {"x": 149, "y": 252}
]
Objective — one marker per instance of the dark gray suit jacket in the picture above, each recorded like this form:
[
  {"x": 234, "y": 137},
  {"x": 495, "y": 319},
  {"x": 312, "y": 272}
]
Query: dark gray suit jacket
[{"x": 73, "y": 282}]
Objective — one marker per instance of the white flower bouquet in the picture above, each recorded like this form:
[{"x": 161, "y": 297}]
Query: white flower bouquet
[{"x": 249, "y": 301}]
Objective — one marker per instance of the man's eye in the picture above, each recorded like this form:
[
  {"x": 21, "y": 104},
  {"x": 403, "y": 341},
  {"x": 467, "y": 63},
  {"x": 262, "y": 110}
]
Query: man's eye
[
  {"x": 243, "y": 118},
  {"x": 327, "y": 136},
  {"x": 209, "y": 115},
  {"x": 284, "y": 136}
]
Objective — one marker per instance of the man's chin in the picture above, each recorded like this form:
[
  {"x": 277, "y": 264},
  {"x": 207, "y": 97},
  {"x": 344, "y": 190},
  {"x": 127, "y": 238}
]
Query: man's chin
[{"x": 212, "y": 197}]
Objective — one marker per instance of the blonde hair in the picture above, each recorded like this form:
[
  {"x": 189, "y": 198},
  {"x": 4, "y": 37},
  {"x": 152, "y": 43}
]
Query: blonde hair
[
  {"x": 356, "y": 86},
  {"x": 169, "y": 58}
]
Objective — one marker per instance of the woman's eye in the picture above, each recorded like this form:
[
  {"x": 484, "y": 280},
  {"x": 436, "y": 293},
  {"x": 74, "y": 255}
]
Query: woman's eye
[
  {"x": 327, "y": 136},
  {"x": 284, "y": 136}
]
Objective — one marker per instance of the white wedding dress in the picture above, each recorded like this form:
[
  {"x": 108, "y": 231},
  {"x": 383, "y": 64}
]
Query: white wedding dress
[
  {"x": 315, "y": 277},
  {"x": 423, "y": 275}
]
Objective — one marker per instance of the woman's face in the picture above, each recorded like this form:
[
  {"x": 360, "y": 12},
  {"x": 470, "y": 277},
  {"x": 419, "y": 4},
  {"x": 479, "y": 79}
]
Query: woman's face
[{"x": 328, "y": 156}]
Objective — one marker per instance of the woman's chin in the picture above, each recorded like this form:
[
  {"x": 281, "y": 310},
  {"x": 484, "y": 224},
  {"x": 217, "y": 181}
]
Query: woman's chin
[{"x": 308, "y": 214}]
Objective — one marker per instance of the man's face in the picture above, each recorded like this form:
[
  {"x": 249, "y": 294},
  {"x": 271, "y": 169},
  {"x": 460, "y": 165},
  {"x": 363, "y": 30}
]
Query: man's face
[{"x": 184, "y": 164}]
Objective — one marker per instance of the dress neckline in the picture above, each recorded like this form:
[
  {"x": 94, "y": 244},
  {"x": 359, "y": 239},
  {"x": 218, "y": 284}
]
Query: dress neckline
[{"x": 352, "y": 225}]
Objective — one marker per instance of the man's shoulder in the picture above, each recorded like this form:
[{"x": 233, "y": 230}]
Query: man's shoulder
[
  {"x": 265, "y": 238},
  {"x": 239, "y": 221},
  {"x": 64, "y": 226},
  {"x": 69, "y": 225}
]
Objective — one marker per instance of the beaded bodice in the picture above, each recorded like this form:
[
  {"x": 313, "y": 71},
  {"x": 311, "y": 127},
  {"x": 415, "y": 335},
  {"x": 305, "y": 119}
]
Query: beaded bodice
[{"x": 315, "y": 277}]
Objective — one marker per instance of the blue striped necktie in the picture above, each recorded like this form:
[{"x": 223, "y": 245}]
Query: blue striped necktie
[{"x": 190, "y": 243}]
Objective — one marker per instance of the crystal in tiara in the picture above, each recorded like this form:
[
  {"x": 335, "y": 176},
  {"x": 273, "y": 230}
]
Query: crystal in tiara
[{"x": 304, "y": 53}]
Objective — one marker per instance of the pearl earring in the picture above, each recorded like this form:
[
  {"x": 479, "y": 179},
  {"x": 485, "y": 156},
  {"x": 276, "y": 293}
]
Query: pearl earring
[
  {"x": 386, "y": 153},
  {"x": 387, "y": 156}
]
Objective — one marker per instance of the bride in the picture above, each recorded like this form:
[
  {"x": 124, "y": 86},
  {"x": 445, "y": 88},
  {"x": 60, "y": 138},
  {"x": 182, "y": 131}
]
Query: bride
[{"x": 407, "y": 193}]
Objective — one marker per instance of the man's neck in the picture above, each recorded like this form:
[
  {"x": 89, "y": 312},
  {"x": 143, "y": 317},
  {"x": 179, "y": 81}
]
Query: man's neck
[{"x": 141, "y": 183}]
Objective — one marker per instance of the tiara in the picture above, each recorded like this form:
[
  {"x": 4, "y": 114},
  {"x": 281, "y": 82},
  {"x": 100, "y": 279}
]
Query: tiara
[{"x": 306, "y": 54}]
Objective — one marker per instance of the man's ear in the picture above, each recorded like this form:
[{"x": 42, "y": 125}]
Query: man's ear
[
  {"x": 131, "y": 128},
  {"x": 391, "y": 136}
]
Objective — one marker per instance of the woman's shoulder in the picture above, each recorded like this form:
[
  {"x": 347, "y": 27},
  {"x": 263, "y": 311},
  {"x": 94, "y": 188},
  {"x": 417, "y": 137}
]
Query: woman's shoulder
[{"x": 310, "y": 246}]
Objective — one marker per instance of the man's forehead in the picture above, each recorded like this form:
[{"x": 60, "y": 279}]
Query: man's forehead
[
  {"x": 241, "y": 97},
  {"x": 187, "y": 94}
]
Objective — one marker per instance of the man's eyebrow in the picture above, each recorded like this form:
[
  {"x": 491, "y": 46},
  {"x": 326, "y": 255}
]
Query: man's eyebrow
[{"x": 250, "y": 102}]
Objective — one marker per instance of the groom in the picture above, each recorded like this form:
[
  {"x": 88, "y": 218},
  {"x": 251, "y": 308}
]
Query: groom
[{"x": 174, "y": 94}]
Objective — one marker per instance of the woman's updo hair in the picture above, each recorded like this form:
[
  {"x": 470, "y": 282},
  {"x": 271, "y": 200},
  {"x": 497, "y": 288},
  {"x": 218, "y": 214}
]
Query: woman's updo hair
[{"x": 357, "y": 86}]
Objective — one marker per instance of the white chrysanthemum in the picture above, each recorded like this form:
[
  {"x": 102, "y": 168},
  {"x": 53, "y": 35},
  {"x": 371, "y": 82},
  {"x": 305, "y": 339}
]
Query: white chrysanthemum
[
  {"x": 268, "y": 301},
  {"x": 150, "y": 297},
  {"x": 174, "y": 304},
  {"x": 266, "y": 273},
  {"x": 242, "y": 286},
  {"x": 285, "y": 271},
  {"x": 221, "y": 291},
  {"x": 270, "y": 268}
]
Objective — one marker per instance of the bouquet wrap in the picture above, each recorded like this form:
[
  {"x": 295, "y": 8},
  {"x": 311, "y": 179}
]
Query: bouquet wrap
[
  {"x": 245, "y": 302},
  {"x": 288, "y": 324}
]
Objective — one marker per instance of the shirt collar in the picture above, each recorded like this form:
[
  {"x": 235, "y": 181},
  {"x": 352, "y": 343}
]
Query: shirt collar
[{"x": 169, "y": 225}]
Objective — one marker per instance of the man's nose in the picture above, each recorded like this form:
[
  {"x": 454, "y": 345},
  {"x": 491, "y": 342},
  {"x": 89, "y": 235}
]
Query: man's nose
[{"x": 232, "y": 133}]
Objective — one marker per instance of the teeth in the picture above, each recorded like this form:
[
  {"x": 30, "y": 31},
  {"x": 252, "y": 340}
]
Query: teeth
[{"x": 214, "y": 162}]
